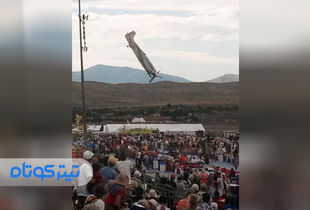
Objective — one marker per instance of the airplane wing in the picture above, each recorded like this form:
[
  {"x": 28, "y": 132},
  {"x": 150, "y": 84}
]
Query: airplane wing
[{"x": 145, "y": 62}]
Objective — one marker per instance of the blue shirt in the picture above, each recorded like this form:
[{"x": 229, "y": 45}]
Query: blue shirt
[
  {"x": 229, "y": 207},
  {"x": 203, "y": 206},
  {"x": 108, "y": 173}
]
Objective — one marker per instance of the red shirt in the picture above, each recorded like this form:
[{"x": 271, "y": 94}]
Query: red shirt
[
  {"x": 112, "y": 197},
  {"x": 183, "y": 204}
]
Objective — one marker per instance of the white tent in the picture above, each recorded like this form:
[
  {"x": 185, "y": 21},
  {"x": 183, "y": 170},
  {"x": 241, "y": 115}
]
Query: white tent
[
  {"x": 75, "y": 130},
  {"x": 166, "y": 128},
  {"x": 94, "y": 128},
  {"x": 138, "y": 120}
]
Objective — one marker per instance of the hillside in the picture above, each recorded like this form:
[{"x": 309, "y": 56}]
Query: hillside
[
  {"x": 117, "y": 75},
  {"x": 225, "y": 78},
  {"x": 101, "y": 95}
]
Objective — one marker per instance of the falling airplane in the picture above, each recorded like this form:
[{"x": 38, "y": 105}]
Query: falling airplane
[{"x": 145, "y": 62}]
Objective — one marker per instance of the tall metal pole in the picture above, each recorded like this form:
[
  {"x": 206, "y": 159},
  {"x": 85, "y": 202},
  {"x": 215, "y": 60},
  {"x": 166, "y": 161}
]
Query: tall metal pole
[{"x": 82, "y": 73}]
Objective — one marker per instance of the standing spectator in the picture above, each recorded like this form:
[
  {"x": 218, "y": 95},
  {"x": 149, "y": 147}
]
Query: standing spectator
[
  {"x": 203, "y": 189},
  {"x": 193, "y": 202},
  {"x": 85, "y": 174},
  {"x": 162, "y": 203},
  {"x": 115, "y": 199},
  {"x": 171, "y": 181},
  {"x": 180, "y": 184},
  {"x": 195, "y": 188},
  {"x": 97, "y": 177},
  {"x": 183, "y": 204},
  {"x": 205, "y": 202},
  {"x": 220, "y": 185},
  {"x": 109, "y": 172}
]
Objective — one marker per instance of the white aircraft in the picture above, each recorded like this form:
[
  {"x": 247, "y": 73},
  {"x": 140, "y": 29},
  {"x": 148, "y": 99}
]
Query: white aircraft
[{"x": 145, "y": 62}]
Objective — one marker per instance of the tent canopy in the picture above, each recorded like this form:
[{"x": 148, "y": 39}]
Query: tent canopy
[{"x": 166, "y": 128}]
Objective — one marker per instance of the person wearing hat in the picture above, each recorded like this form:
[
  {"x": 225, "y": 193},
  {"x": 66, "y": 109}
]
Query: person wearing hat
[
  {"x": 86, "y": 174},
  {"x": 88, "y": 155},
  {"x": 109, "y": 172},
  {"x": 213, "y": 206}
]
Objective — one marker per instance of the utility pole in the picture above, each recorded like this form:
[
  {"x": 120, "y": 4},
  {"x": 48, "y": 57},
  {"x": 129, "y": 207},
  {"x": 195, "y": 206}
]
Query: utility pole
[{"x": 82, "y": 73}]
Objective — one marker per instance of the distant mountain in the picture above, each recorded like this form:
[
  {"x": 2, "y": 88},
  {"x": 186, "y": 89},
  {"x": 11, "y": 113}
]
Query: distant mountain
[
  {"x": 225, "y": 78},
  {"x": 117, "y": 75}
]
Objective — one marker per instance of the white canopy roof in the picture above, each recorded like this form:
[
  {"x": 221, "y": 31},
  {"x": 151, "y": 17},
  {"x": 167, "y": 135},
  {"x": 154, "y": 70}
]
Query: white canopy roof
[
  {"x": 94, "y": 128},
  {"x": 185, "y": 128}
]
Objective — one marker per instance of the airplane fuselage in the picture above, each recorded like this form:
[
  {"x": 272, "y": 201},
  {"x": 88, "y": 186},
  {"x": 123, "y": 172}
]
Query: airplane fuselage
[{"x": 141, "y": 56}]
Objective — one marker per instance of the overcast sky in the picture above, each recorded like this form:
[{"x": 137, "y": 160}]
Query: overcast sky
[{"x": 194, "y": 39}]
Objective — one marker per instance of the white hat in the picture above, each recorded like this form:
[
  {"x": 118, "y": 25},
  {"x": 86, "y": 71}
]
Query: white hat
[
  {"x": 195, "y": 187},
  {"x": 214, "y": 206},
  {"x": 87, "y": 155},
  {"x": 137, "y": 174}
]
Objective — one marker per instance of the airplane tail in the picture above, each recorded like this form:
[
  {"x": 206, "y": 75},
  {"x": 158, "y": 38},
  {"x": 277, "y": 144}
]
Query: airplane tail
[
  {"x": 157, "y": 74},
  {"x": 152, "y": 78}
]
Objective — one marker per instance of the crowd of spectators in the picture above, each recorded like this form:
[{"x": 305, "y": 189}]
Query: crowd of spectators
[{"x": 175, "y": 171}]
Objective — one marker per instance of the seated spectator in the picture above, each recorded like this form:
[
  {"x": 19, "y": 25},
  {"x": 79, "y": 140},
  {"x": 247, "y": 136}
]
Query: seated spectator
[
  {"x": 152, "y": 194},
  {"x": 91, "y": 207},
  {"x": 228, "y": 204},
  {"x": 100, "y": 193},
  {"x": 141, "y": 205},
  {"x": 137, "y": 194},
  {"x": 153, "y": 204},
  {"x": 213, "y": 206}
]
